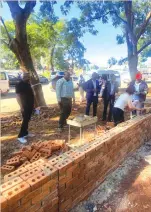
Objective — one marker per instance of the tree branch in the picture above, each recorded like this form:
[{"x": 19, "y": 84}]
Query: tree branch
[
  {"x": 144, "y": 25},
  {"x": 111, "y": 11},
  {"x": 15, "y": 9},
  {"x": 5, "y": 43},
  {"x": 138, "y": 52},
  {"x": 29, "y": 8},
  {"x": 119, "y": 17},
  {"x": 143, "y": 47}
]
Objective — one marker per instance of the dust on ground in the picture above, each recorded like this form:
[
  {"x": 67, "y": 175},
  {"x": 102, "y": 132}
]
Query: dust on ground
[{"x": 127, "y": 189}]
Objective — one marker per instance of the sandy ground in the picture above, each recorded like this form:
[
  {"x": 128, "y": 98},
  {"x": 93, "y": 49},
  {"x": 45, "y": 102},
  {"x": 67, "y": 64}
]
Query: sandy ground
[
  {"x": 9, "y": 103},
  {"x": 127, "y": 189}
]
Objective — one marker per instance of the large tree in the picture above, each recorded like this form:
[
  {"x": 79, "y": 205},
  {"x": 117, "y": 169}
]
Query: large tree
[
  {"x": 134, "y": 17},
  {"x": 20, "y": 47}
]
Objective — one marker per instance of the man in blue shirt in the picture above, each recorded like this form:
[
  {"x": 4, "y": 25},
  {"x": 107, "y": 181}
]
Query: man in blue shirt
[{"x": 65, "y": 94}]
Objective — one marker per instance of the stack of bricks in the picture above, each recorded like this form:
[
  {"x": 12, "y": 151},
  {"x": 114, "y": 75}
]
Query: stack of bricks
[
  {"x": 29, "y": 154},
  {"x": 32, "y": 188},
  {"x": 60, "y": 183}
]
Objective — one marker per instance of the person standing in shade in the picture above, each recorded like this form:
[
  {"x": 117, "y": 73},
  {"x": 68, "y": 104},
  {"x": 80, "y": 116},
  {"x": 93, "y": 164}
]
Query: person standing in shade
[
  {"x": 65, "y": 94},
  {"x": 25, "y": 99},
  {"x": 92, "y": 89},
  {"x": 124, "y": 101},
  {"x": 108, "y": 95},
  {"x": 141, "y": 90},
  {"x": 81, "y": 90}
]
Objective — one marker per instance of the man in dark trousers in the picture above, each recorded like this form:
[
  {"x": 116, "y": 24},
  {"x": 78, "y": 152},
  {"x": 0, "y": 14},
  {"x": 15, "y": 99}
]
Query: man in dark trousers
[
  {"x": 108, "y": 95},
  {"x": 25, "y": 98},
  {"x": 92, "y": 89},
  {"x": 65, "y": 94}
]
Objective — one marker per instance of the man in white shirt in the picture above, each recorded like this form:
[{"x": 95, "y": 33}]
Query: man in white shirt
[{"x": 65, "y": 94}]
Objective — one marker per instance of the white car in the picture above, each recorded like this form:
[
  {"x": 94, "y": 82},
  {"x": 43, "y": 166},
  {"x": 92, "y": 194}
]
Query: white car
[{"x": 4, "y": 83}]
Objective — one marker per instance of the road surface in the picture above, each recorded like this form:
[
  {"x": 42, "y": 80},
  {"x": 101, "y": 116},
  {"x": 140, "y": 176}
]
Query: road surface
[{"x": 9, "y": 103}]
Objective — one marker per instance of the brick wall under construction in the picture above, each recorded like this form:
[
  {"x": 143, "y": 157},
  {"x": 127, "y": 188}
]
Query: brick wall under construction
[{"x": 60, "y": 183}]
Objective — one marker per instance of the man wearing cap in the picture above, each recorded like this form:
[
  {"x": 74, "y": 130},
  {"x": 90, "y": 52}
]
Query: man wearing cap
[
  {"x": 25, "y": 99},
  {"x": 141, "y": 90}
]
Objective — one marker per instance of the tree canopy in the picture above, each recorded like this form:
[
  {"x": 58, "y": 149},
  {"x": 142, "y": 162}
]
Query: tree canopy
[{"x": 134, "y": 18}]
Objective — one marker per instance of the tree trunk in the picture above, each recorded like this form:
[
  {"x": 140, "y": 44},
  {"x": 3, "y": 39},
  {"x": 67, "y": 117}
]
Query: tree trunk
[
  {"x": 132, "y": 63},
  {"x": 26, "y": 63},
  {"x": 20, "y": 47},
  {"x": 51, "y": 59}
]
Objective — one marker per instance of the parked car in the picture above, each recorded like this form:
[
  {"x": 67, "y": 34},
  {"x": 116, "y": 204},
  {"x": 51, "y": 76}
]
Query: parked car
[
  {"x": 109, "y": 73},
  {"x": 4, "y": 83},
  {"x": 13, "y": 80},
  {"x": 43, "y": 79}
]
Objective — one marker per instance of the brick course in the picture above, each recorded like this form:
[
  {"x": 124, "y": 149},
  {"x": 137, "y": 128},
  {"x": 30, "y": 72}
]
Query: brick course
[{"x": 60, "y": 183}]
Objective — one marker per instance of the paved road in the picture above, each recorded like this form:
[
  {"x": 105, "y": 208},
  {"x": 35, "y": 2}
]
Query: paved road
[{"x": 9, "y": 103}]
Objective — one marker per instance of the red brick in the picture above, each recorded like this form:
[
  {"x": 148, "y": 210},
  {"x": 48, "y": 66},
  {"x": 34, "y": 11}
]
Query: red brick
[
  {"x": 49, "y": 198},
  {"x": 76, "y": 156},
  {"x": 17, "y": 153},
  {"x": 35, "y": 157},
  {"x": 13, "y": 205},
  {"x": 3, "y": 202},
  {"x": 33, "y": 152},
  {"x": 63, "y": 165},
  {"x": 45, "y": 152},
  {"x": 50, "y": 185},
  {"x": 35, "y": 207},
  {"x": 29, "y": 148},
  {"x": 31, "y": 195},
  {"x": 26, "y": 153},
  {"x": 42, "y": 210},
  {"x": 35, "y": 164},
  {"x": 23, "y": 159},
  {"x": 64, "y": 206},
  {"x": 61, "y": 188},
  {"x": 57, "y": 144},
  {"x": 38, "y": 180},
  {"x": 39, "y": 197},
  {"x": 23, "y": 207},
  {"x": 30, "y": 173},
  {"x": 13, "y": 161},
  {"x": 57, "y": 159},
  {"x": 5, "y": 169},
  {"x": 14, "y": 174},
  {"x": 10, "y": 184},
  {"x": 37, "y": 145},
  {"x": 17, "y": 192},
  {"x": 5, "y": 210},
  {"x": 51, "y": 208},
  {"x": 47, "y": 167},
  {"x": 24, "y": 164}
]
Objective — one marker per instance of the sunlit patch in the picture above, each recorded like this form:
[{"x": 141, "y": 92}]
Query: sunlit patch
[
  {"x": 148, "y": 160},
  {"x": 8, "y": 137}
]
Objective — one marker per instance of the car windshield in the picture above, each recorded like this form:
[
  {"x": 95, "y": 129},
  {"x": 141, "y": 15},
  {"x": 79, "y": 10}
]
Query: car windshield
[{"x": 12, "y": 77}]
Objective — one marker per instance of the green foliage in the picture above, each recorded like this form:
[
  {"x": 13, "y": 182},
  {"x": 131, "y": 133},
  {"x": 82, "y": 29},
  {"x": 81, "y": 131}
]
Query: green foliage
[
  {"x": 44, "y": 37},
  {"x": 124, "y": 14},
  {"x": 112, "y": 61}
]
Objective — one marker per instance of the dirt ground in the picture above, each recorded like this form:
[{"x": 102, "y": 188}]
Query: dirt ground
[{"x": 127, "y": 189}]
